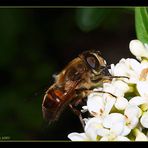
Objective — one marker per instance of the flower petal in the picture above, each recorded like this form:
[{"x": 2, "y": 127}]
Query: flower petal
[
  {"x": 95, "y": 104},
  {"x": 132, "y": 111},
  {"x": 78, "y": 137},
  {"x": 126, "y": 131},
  {"x": 137, "y": 101},
  {"x": 113, "y": 118},
  {"x": 120, "y": 69},
  {"x": 103, "y": 132},
  {"x": 111, "y": 71},
  {"x": 91, "y": 128},
  {"x": 116, "y": 87},
  {"x": 121, "y": 86},
  {"x": 121, "y": 138},
  {"x": 144, "y": 120},
  {"x": 117, "y": 128},
  {"x": 133, "y": 122},
  {"x": 134, "y": 65},
  {"x": 142, "y": 89},
  {"x": 138, "y": 49},
  {"x": 121, "y": 103},
  {"x": 110, "y": 101}
]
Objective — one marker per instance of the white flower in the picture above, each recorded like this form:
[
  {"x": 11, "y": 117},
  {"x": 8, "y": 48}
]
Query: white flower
[
  {"x": 109, "y": 128},
  {"x": 99, "y": 104},
  {"x": 142, "y": 100},
  {"x": 90, "y": 131},
  {"x": 132, "y": 110},
  {"x": 138, "y": 49},
  {"x": 118, "y": 88},
  {"x": 121, "y": 109},
  {"x": 132, "y": 114},
  {"x": 113, "y": 127},
  {"x": 130, "y": 68},
  {"x": 141, "y": 103},
  {"x": 114, "y": 121},
  {"x": 91, "y": 128},
  {"x": 95, "y": 104}
]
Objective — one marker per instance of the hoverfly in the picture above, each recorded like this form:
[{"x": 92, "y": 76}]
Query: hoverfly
[{"x": 74, "y": 83}]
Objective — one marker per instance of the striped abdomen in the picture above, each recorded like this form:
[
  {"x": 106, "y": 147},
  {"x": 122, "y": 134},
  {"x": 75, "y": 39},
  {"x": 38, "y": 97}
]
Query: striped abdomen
[{"x": 54, "y": 102}]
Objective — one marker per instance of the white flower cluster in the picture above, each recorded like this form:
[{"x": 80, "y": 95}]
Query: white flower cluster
[{"x": 124, "y": 117}]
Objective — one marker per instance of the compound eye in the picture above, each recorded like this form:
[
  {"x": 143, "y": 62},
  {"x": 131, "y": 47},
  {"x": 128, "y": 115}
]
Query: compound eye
[{"x": 93, "y": 62}]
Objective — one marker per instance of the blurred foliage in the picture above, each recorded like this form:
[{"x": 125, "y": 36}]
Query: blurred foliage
[
  {"x": 141, "y": 21},
  {"x": 37, "y": 43},
  {"x": 90, "y": 18}
]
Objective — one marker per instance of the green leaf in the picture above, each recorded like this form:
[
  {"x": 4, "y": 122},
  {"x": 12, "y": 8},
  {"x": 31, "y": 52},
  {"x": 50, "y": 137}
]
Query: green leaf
[
  {"x": 89, "y": 19},
  {"x": 141, "y": 20}
]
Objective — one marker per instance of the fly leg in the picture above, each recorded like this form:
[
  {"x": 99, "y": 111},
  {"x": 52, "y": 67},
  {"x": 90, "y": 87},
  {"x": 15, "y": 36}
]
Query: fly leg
[
  {"x": 78, "y": 113},
  {"x": 86, "y": 92}
]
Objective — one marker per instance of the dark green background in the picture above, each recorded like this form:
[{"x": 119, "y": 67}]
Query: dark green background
[{"x": 36, "y": 43}]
